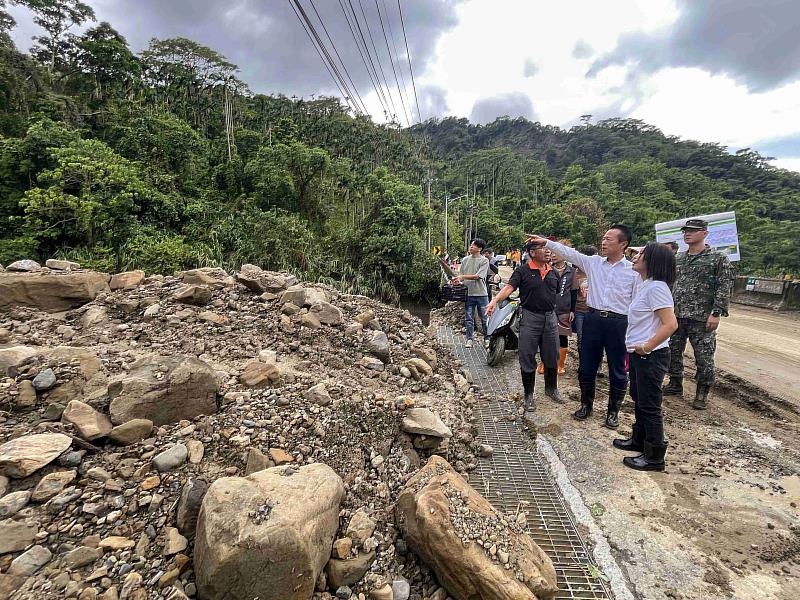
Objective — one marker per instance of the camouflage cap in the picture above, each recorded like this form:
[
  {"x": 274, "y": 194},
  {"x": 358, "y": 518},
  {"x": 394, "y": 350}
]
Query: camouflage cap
[{"x": 695, "y": 224}]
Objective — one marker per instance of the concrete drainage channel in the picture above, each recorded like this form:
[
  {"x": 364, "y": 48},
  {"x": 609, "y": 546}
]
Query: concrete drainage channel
[{"x": 518, "y": 476}]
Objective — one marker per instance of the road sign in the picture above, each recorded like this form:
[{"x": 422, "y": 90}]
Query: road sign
[{"x": 437, "y": 250}]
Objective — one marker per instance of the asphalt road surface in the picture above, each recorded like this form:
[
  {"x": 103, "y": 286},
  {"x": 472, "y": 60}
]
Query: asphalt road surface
[{"x": 763, "y": 347}]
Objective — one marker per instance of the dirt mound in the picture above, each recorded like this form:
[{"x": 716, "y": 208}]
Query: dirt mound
[{"x": 113, "y": 525}]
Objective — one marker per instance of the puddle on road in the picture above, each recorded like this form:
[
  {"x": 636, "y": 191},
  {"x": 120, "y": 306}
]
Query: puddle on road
[{"x": 763, "y": 439}]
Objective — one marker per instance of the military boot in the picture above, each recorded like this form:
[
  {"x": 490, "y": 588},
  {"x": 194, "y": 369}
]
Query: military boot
[
  {"x": 587, "y": 400},
  {"x": 674, "y": 387},
  {"x": 529, "y": 385},
  {"x": 701, "y": 396},
  {"x": 615, "y": 398},
  {"x": 551, "y": 386}
]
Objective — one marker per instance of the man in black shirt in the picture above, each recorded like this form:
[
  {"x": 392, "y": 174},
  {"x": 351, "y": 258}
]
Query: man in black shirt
[{"x": 537, "y": 284}]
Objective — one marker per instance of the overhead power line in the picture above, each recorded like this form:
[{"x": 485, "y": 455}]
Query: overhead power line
[
  {"x": 322, "y": 51},
  {"x": 408, "y": 54},
  {"x": 391, "y": 60},
  {"x": 344, "y": 67},
  {"x": 375, "y": 85},
  {"x": 378, "y": 59},
  {"x": 397, "y": 55}
]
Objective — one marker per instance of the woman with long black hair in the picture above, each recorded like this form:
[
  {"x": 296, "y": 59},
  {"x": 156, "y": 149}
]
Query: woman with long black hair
[{"x": 651, "y": 321}]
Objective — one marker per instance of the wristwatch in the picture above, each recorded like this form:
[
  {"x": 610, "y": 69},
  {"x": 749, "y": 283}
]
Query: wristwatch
[{"x": 715, "y": 313}]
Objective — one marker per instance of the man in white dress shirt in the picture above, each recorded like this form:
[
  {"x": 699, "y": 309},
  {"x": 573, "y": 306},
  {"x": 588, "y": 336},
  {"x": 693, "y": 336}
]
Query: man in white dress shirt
[{"x": 612, "y": 284}]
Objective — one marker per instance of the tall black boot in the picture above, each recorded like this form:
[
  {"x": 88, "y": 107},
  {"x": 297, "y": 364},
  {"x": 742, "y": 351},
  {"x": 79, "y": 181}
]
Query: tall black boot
[
  {"x": 529, "y": 385},
  {"x": 615, "y": 398},
  {"x": 701, "y": 396},
  {"x": 587, "y": 400},
  {"x": 652, "y": 459},
  {"x": 551, "y": 386},
  {"x": 674, "y": 387},
  {"x": 635, "y": 443}
]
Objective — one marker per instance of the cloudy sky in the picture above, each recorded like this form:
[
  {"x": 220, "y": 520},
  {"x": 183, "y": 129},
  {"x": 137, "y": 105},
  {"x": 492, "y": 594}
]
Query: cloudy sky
[{"x": 723, "y": 71}]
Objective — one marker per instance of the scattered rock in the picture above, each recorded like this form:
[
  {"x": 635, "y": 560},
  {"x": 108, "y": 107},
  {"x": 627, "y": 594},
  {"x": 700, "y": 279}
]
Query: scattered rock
[
  {"x": 16, "y": 535},
  {"x": 25, "y": 455},
  {"x": 12, "y": 503},
  {"x": 382, "y": 593},
  {"x": 260, "y": 281},
  {"x": 89, "y": 423},
  {"x": 174, "y": 542},
  {"x": 27, "y": 394},
  {"x": 348, "y": 572},
  {"x": 80, "y": 557},
  {"x": 189, "y": 505},
  {"x": 341, "y": 547},
  {"x": 360, "y": 528},
  {"x": 310, "y": 320},
  {"x": 213, "y": 318},
  {"x": 259, "y": 375},
  {"x": 31, "y": 561},
  {"x": 24, "y": 266},
  {"x": 378, "y": 344},
  {"x": 425, "y": 422},
  {"x": 171, "y": 459},
  {"x": 280, "y": 457},
  {"x": 131, "y": 432},
  {"x": 164, "y": 389},
  {"x": 327, "y": 313},
  {"x": 288, "y": 545},
  {"x": 196, "y": 451},
  {"x": 61, "y": 265},
  {"x": 115, "y": 542},
  {"x": 11, "y": 359},
  {"x": 51, "y": 485},
  {"x": 256, "y": 461},
  {"x": 318, "y": 395},
  {"x": 126, "y": 280},
  {"x": 44, "y": 381},
  {"x": 198, "y": 295}
]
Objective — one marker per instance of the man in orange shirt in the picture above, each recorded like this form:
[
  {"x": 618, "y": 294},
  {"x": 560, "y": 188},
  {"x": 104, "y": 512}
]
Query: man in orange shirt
[{"x": 537, "y": 284}]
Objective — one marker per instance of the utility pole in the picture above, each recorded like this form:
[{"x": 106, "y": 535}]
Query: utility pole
[{"x": 428, "y": 181}]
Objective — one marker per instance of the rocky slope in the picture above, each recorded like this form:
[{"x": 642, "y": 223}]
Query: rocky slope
[{"x": 160, "y": 386}]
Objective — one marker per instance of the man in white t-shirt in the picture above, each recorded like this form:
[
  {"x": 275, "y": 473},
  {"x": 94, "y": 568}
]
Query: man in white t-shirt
[{"x": 612, "y": 285}]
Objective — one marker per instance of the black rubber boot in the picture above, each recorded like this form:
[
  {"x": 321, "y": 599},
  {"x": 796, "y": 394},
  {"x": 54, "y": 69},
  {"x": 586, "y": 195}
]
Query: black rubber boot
[
  {"x": 635, "y": 443},
  {"x": 551, "y": 386},
  {"x": 674, "y": 387},
  {"x": 587, "y": 400},
  {"x": 651, "y": 459},
  {"x": 529, "y": 385},
  {"x": 615, "y": 398},
  {"x": 701, "y": 396}
]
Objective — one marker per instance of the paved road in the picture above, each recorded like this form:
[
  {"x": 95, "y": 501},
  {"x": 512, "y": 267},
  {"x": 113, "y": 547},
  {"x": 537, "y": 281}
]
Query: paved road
[{"x": 762, "y": 347}]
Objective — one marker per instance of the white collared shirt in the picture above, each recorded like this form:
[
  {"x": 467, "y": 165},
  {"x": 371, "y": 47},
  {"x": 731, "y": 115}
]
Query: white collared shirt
[{"x": 611, "y": 285}]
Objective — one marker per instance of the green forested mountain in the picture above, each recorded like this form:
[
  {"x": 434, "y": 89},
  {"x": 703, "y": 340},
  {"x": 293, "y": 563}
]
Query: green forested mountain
[{"x": 165, "y": 160}]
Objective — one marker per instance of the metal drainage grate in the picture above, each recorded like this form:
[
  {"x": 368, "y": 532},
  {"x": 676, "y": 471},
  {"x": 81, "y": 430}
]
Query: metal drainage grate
[{"x": 517, "y": 474}]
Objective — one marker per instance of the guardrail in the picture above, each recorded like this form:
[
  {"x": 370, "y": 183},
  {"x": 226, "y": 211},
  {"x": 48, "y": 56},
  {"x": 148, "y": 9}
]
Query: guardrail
[{"x": 776, "y": 294}]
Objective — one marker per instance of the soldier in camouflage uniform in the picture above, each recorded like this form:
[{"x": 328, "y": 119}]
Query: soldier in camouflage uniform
[{"x": 701, "y": 293}]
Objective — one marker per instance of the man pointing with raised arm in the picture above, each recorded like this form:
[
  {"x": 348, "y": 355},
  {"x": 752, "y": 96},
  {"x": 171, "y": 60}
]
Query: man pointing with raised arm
[{"x": 612, "y": 283}]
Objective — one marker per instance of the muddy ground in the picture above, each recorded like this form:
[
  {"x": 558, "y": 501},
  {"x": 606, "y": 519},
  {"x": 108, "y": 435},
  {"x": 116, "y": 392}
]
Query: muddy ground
[{"x": 723, "y": 521}]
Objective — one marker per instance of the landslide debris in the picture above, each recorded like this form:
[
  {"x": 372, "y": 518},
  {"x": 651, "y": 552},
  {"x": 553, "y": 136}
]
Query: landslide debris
[{"x": 162, "y": 389}]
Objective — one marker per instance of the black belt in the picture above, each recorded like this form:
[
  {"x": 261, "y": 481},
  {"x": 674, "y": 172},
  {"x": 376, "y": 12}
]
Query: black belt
[
  {"x": 539, "y": 312},
  {"x": 607, "y": 314}
]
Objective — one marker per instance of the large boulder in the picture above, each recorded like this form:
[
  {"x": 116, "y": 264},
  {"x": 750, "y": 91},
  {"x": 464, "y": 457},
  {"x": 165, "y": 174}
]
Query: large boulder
[
  {"x": 268, "y": 535},
  {"x": 126, "y": 280},
  {"x": 51, "y": 292},
  {"x": 193, "y": 294},
  {"x": 164, "y": 389},
  {"x": 514, "y": 568},
  {"x": 260, "y": 281},
  {"x": 378, "y": 344},
  {"x": 25, "y": 266},
  {"x": 25, "y": 455},
  {"x": 214, "y": 277},
  {"x": 422, "y": 421}
]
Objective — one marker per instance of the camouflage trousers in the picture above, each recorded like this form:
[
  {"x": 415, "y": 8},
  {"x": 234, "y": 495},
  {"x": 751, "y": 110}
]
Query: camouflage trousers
[{"x": 704, "y": 344}]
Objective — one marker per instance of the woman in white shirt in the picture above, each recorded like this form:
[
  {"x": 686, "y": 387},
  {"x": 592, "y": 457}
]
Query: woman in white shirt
[{"x": 651, "y": 321}]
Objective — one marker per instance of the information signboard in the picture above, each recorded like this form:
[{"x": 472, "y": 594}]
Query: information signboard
[{"x": 722, "y": 233}]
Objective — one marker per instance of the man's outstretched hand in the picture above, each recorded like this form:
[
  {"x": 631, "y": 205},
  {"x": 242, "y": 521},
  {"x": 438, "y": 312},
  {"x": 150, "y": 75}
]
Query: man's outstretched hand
[{"x": 536, "y": 240}]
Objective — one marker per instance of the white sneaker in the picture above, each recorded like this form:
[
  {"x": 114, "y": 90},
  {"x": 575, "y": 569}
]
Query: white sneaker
[{"x": 468, "y": 344}]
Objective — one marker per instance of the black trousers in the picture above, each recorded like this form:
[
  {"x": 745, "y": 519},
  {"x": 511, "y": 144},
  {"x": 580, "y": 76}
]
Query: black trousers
[
  {"x": 647, "y": 375},
  {"x": 538, "y": 332},
  {"x": 599, "y": 334}
]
